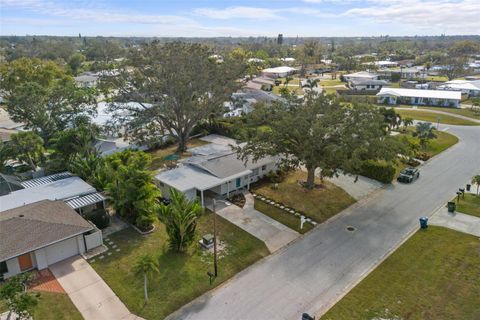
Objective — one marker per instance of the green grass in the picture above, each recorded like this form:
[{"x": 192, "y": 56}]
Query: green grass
[
  {"x": 470, "y": 205},
  {"x": 471, "y": 113},
  {"x": 434, "y": 275},
  {"x": 158, "y": 155},
  {"x": 55, "y": 306},
  {"x": 432, "y": 117},
  {"x": 182, "y": 277},
  {"x": 443, "y": 141},
  {"x": 318, "y": 204},
  {"x": 282, "y": 216},
  {"x": 330, "y": 83},
  {"x": 293, "y": 89},
  {"x": 52, "y": 306}
]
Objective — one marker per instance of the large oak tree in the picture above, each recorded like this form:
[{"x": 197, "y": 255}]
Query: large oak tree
[{"x": 176, "y": 85}]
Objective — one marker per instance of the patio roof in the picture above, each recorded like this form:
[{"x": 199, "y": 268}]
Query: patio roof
[
  {"x": 85, "y": 200},
  {"x": 46, "y": 180}
]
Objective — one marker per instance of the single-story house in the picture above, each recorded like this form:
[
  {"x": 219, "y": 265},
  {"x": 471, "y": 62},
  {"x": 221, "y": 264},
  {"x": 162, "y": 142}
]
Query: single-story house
[
  {"x": 278, "y": 72},
  {"x": 367, "y": 84},
  {"x": 363, "y": 75},
  {"x": 39, "y": 234},
  {"x": 470, "y": 87},
  {"x": 213, "y": 171},
  {"x": 419, "y": 97},
  {"x": 263, "y": 83},
  {"x": 87, "y": 80},
  {"x": 61, "y": 186},
  {"x": 255, "y": 60}
]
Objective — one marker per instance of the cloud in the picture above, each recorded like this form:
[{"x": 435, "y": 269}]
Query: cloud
[
  {"x": 443, "y": 16},
  {"x": 81, "y": 10},
  {"x": 257, "y": 13}
]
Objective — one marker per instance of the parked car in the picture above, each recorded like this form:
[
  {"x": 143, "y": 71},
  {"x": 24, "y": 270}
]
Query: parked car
[{"x": 408, "y": 175}]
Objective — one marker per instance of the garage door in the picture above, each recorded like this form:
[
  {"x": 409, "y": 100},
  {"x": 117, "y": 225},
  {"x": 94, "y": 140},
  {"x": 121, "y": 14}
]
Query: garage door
[{"x": 61, "y": 250}]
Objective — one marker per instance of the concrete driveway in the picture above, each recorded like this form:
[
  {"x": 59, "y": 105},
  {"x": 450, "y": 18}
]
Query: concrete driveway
[
  {"x": 274, "y": 234},
  {"x": 314, "y": 272},
  {"x": 88, "y": 292}
]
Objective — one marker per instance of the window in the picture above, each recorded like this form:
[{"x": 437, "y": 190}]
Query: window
[
  {"x": 254, "y": 172},
  {"x": 3, "y": 268},
  {"x": 264, "y": 167}
]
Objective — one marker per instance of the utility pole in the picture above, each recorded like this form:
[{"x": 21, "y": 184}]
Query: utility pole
[{"x": 215, "y": 269}]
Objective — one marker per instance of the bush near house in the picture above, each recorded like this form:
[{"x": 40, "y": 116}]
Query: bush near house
[
  {"x": 380, "y": 171},
  {"x": 99, "y": 217}
]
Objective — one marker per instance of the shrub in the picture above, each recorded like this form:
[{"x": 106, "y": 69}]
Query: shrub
[
  {"x": 99, "y": 217},
  {"x": 145, "y": 222},
  {"x": 277, "y": 176},
  {"x": 422, "y": 156},
  {"x": 383, "y": 172}
]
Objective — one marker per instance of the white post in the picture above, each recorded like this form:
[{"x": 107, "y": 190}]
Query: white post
[
  {"x": 302, "y": 221},
  {"x": 201, "y": 197}
]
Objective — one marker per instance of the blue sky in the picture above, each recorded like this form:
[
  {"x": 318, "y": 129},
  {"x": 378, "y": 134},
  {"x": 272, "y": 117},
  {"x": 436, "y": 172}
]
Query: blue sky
[{"x": 209, "y": 18}]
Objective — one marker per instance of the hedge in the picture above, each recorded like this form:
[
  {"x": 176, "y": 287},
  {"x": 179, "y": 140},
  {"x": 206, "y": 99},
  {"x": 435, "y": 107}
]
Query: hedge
[{"x": 383, "y": 172}]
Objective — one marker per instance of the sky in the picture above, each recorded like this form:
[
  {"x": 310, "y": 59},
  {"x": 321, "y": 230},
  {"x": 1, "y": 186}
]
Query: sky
[{"x": 214, "y": 18}]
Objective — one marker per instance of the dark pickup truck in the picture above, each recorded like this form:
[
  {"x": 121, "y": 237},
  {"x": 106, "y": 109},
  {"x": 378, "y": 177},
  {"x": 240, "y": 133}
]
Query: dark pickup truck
[{"x": 408, "y": 175}]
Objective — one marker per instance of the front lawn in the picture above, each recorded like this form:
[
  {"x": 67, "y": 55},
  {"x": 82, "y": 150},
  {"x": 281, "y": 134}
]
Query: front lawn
[
  {"x": 467, "y": 112},
  {"x": 433, "y": 117},
  {"x": 158, "y": 156},
  {"x": 282, "y": 216},
  {"x": 331, "y": 83},
  {"x": 318, "y": 204},
  {"x": 434, "y": 275},
  {"x": 182, "y": 277},
  {"x": 470, "y": 205},
  {"x": 52, "y": 306},
  {"x": 443, "y": 141}
]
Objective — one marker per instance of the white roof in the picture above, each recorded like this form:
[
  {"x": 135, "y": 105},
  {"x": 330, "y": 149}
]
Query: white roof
[
  {"x": 288, "y": 59},
  {"x": 57, "y": 190},
  {"x": 462, "y": 85},
  {"x": 283, "y": 69},
  {"x": 435, "y": 94},
  {"x": 104, "y": 115},
  {"x": 189, "y": 177},
  {"x": 361, "y": 74}
]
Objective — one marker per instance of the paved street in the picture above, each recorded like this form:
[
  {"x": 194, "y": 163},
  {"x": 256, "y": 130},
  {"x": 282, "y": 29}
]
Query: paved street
[{"x": 312, "y": 273}]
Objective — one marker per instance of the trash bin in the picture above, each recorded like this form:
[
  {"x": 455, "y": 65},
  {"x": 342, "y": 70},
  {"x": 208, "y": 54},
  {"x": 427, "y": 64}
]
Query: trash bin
[
  {"x": 468, "y": 187},
  {"x": 424, "y": 222},
  {"x": 451, "y": 206}
]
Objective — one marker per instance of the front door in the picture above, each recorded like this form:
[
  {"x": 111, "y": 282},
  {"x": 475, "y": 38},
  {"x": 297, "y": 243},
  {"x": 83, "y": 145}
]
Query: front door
[
  {"x": 25, "y": 262},
  {"x": 238, "y": 182}
]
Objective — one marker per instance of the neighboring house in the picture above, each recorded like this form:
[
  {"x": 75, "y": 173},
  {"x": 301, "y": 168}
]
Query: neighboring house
[
  {"x": 386, "y": 64},
  {"x": 419, "y": 97},
  {"x": 406, "y": 63},
  {"x": 255, "y": 60},
  {"x": 262, "y": 83},
  {"x": 288, "y": 60},
  {"x": 469, "y": 87},
  {"x": 87, "y": 80},
  {"x": 37, "y": 235},
  {"x": 405, "y": 73},
  {"x": 361, "y": 75},
  {"x": 239, "y": 107},
  {"x": 367, "y": 84},
  {"x": 213, "y": 171},
  {"x": 61, "y": 186},
  {"x": 278, "y": 72}
]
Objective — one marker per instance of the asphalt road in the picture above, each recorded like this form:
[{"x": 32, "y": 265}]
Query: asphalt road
[{"x": 312, "y": 273}]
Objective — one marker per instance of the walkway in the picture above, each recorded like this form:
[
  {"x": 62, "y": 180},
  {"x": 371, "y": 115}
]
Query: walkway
[
  {"x": 273, "y": 233},
  {"x": 88, "y": 292},
  {"x": 456, "y": 221},
  {"x": 442, "y": 112},
  {"x": 314, "y": 272}
]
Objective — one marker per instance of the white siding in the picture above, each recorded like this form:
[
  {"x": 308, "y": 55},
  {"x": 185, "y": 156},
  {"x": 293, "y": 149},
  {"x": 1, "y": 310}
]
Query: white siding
[
  {"x": 13, "y": 268},
  {"x": 41, "y": 258},
  {"x": 61, "y": 250},
  {"x": 94, "y": 240}
]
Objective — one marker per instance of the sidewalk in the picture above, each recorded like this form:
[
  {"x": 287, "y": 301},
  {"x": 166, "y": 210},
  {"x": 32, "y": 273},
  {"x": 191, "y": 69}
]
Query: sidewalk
[{"x": 456, "y": 221}]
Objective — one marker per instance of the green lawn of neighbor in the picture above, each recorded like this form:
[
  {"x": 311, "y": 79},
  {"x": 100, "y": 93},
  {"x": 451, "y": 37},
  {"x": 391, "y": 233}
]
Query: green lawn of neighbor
[
  {"x": 470, "y": 205},
  {"x": 52, "y": 306},
  {"x": 158, "y": 156},
  {"x": 182, "y": 277},
  {"x": 293, "y": 89},
  {"x": 330, "y": 83},
  {"x": 434, "y": 275},
  {"x": 467, "y": 112},
  {"x": 443, "y": 141},
  {"x": 433, "y": 117},
  {"x": 282, "y": 216},
  {"x": 318, "y": 204}
]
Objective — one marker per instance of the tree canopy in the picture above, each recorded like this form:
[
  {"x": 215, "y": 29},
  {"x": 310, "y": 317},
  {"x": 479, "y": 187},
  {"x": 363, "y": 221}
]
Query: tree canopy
[{"x": 176, "y": 85}]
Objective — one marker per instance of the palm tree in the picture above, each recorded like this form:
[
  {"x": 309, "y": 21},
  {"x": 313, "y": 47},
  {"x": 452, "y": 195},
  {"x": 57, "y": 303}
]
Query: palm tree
[
  {"x": 407, "y": 122},
  {"x": 145, "y": 266},
  {"x": 287, "y": 80},
  {"x": 424, "y": 132},
  {"x": 311, "y": 83},
  {"x": 476, "y": 180},
  {"x": 180, "y": 219}
]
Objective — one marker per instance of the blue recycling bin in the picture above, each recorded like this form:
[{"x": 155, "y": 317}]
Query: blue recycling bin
[{"x": 424, "y": 222}]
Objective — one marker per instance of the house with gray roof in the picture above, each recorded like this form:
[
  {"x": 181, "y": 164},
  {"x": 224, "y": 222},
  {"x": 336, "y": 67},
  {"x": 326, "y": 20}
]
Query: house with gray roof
[
  {"x": 214, "y": 171},
  {"x": 367, "y": 84},
  {"x": 42, "y": 233}
]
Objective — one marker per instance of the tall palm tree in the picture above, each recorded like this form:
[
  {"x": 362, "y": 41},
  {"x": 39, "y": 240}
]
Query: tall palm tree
[
  {"x": 476, "y": 180},
  {"x": 287, "y": 80},
  {"x": 145, "y": 266},
  {"x": 425, "y": 132},
  {"x": 180, "y": 219}
]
